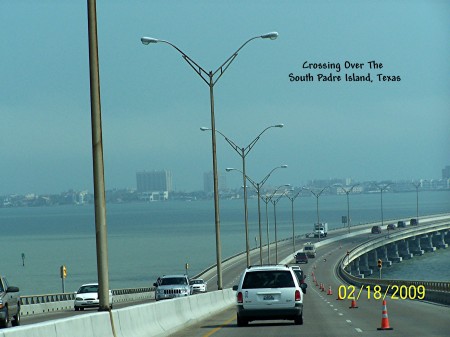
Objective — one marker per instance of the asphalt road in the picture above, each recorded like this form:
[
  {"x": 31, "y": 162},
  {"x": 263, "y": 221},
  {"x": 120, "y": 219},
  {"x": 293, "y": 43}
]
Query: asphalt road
[{"x": 325, "y": 315}]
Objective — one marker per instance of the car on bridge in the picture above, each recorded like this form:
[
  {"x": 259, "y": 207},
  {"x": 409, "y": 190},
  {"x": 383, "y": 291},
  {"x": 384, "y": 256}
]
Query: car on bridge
[
  {"x": 391, "y": 227},
  {"x": 301, "y": 257},
  {"x": 171, "y": 286},
  {"x": 198, "y": 285},
  {"x": 269, "y": 293},
  {"x": 87, "y": 297},
  {"x": 9, "y": 304},
  {"x": 401, "y": 224},
  {"x": 414, "y": 222},
  {"x": 376, "y": 230}
]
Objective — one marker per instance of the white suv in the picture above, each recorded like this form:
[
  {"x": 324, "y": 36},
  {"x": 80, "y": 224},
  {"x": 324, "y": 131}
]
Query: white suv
[
  {"x": 267, "y": 293},
  {"x": 171, "y": 286}
]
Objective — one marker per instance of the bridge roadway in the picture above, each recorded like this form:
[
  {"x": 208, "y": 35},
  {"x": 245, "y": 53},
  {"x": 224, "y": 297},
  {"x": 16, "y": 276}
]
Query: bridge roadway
[{"x": 324, "y": 315}]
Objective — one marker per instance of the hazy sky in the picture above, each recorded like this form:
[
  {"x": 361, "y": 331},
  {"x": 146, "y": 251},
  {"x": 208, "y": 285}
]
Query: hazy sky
[{"x": 153, "y": 103}]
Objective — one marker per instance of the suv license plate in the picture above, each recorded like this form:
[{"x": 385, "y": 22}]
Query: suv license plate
[{"x": 268, "y": 298}]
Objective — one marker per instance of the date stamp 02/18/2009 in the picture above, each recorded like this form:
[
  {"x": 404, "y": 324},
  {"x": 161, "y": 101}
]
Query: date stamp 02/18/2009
[{"x": 376, "y": 292}]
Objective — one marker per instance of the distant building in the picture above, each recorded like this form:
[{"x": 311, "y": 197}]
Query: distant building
[
  {"x": 446, "y": 173},
  {"x": 152, "y": 183},
  {"x": 208, "y": 182}
]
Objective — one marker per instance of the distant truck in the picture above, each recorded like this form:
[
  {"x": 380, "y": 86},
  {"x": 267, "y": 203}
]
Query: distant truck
[
  {"x": 310, "y": 249},
  {"x": 9, "y": 304},
  {"x": 320, "y": 230}
]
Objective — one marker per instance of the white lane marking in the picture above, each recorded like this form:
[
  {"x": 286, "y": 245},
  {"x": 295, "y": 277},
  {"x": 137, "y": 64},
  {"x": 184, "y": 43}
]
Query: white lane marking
[
  {"x": 358, "y": 329},
  {"x": 348, "y": 321}
]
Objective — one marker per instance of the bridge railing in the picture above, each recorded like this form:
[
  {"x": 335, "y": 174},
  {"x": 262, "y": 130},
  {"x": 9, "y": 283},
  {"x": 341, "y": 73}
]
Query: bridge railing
[{"x": 434, "y": 291}]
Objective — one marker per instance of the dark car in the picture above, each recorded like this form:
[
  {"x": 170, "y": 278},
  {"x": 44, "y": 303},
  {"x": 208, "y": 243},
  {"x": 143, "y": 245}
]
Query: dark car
[
  {"x": 301, "y": 258},
  {"x": 401, "y": 224},
  {"x": 376, "y": 230},
  {"x": 414, "y": 222},
  {"x": 390, "y": 227}
]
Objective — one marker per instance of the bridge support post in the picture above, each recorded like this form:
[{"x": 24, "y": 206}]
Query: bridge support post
[
  {"x": 392, "y": 251},
  {"x": 414, "y": 245},
  {"x": 403, "y": 250},
  {"x": 364, "y": 265},
  {"x": 382, "y": 254},
  {"x": 373, "y": 258},
  {"x": 426, "y": 242},
  {"x": 438, "y": 240},
  {"x": 354, "y": 269}
]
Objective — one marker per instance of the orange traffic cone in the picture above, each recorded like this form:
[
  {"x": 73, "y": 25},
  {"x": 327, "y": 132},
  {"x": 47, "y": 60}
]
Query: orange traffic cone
[
  {"x": 339, "y": 298},
  {"x": 317, "y": 283},
  {"x": 353, "y": 305},
  {"x": 322, "y": 287},
  {"x": 384, "y": 319},
  {"x": 329, "y": 291}
]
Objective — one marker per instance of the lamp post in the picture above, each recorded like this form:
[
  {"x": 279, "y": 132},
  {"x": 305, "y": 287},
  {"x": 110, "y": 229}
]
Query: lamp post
[
  {"x": 292, "y": 198},
  {"x": 243, "y": 152},
  {"x": 417, "y": 185},
  {"x": 211, "y": 78},
  {"x": 382, "y": 187},
  {"x": 258, "y": 187},
  {"x": 317, "y": 195},
  {"x": 265, "y": 198},
  {"x": 274, "y": 201},
  {"x": 347, "y": 192}
]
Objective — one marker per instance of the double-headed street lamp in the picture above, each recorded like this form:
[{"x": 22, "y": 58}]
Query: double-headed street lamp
[
  {"x": 243, "y": 152},
  {"x": 317, "y": 195},
  {"x": 211, "y": 78},
  {"x": 292, "y": 199},
  {"x": 382, "y": 187},
  {"x": 274, "y": 201},
  {"x": 417, "y": 185},
  {"x": 347, "y": 191},
  {"x": 258, "y": 187}
]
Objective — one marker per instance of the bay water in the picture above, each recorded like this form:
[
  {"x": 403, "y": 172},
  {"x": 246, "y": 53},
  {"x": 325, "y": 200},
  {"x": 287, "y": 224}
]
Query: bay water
[{"x": 146, "y": 240}]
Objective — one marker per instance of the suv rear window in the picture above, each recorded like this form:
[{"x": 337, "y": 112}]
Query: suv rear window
[{"x": 268, "y": 279}]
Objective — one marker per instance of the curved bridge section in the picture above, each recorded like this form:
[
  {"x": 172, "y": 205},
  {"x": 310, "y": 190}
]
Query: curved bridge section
[{"x": 359, "y": 266}]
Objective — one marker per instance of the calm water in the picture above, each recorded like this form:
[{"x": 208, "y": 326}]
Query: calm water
[{"x": 146, "y": 240}]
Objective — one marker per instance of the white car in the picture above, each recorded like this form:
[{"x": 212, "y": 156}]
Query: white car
[
  {"x": 198, "y": 285},
  {"x": 269, "y": 293},
  {"x": 87, "y": 297}
]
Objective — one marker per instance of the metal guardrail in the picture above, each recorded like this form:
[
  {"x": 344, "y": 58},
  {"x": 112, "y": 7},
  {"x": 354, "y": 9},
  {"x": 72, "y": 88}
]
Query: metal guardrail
[{"x": 60, "y": 297}]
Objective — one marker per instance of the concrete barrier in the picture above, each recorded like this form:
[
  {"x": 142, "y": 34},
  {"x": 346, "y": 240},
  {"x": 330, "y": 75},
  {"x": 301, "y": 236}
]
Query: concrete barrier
[{"x": 156, "y": 319}]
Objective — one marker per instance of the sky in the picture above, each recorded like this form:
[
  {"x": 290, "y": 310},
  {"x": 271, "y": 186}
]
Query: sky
[{"x": 153, "y": 103}]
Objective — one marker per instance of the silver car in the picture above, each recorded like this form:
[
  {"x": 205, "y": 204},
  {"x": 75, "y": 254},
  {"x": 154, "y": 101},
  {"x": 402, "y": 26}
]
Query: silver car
[{"x": 171, "y": 286}]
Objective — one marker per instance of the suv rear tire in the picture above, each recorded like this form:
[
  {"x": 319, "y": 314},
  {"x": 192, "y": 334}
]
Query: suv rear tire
[
  {"x": 241, "y": 321},
  {"x": 299, "y": 320}
]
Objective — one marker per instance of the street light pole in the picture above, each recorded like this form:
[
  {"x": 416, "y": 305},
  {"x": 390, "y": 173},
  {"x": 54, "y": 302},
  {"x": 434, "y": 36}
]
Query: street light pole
[
  {"x": 347, "y": 191},
  {"x": 317, "y": 195},
  {"x": 211, "y": 79},
  {"x": 274, "y": 202},
  {"x": 417, "y": 185},
  {"x": 258, "y": 187},
  {"x": 292, "y": 217},
  {"x": 382, "y": 187},
  {"x": 243, "y": 152}
]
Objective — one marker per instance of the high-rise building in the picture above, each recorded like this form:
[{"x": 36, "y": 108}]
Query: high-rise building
[
  {"x": 208, "y": 182},
  {"x": 446, "y": 173},
  {"x": 154, "y": 181}
]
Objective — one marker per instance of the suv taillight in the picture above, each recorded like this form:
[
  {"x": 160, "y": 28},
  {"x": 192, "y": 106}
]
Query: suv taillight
[
  {"x": 297, "y": 295},
  {"x": 240, "y": 297}
]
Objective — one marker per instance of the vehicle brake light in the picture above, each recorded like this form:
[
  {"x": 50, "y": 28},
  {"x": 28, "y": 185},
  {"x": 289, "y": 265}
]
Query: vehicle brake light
[
  {"x": 240, "y": 297},
  {"x": 297, "y": 295}
]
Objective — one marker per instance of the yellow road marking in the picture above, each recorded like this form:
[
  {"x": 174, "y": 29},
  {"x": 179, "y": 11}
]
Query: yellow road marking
[{"x": 220, "y": 327}]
